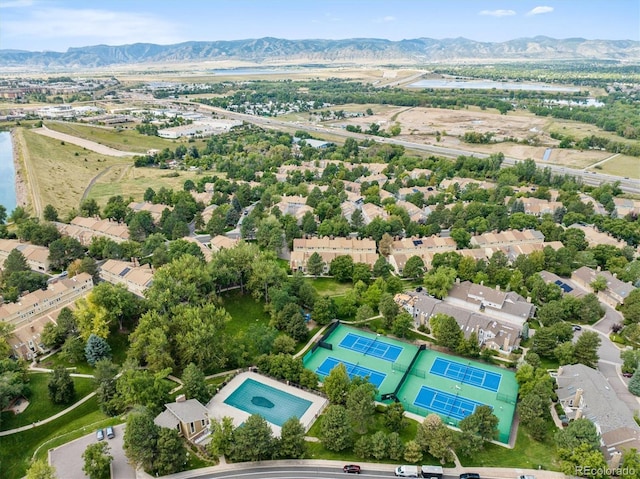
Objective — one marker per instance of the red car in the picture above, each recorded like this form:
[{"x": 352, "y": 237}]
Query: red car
[{"x": 351, "y": 469}]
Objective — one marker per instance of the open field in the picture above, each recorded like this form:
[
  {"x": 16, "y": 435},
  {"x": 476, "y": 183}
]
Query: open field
[
  {"x": 421, "y": 124},
  {"x": 40, "y": 406},
  {"x": 622, "y": 165},
  {"x": 204, "y": 72},
  {"x": 125, "y": 140},
  {"x": 61, "y": 172},
  {"x": 126, "y": 180}
]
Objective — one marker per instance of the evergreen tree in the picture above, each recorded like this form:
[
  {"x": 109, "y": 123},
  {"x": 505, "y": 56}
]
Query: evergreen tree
[
  {"x": 61, "y": 387},
  {"x": 96, "y": 349}
]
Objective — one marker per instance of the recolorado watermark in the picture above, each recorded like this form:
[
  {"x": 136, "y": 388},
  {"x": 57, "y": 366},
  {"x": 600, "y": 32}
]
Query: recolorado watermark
[{"x": 586, "y": 471}]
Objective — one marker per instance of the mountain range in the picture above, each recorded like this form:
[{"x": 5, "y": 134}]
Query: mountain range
[{"x": 331, "y": 52}]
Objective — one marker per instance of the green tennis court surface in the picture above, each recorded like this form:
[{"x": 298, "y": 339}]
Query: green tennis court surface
[
  {"x": 424, "y": 381},
  {"x": 353, "y": 370}
]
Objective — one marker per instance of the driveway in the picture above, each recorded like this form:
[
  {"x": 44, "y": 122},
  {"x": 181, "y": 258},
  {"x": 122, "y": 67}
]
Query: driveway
[{"x": 67, "y": 459}]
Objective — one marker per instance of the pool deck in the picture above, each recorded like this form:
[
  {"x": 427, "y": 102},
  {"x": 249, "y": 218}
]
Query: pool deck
[{"x": 219, "y": 409}]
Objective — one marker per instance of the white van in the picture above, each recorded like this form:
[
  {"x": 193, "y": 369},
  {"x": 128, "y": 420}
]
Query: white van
[{"x": 407, "y": 471}]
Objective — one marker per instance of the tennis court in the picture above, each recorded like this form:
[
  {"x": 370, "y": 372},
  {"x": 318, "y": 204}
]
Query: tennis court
[
  {"x": 445, "y": 404},
  {"x": 329, "y": 363},
  {"x": 466, "y": 374},
  {"x": 371, "y": 347}
]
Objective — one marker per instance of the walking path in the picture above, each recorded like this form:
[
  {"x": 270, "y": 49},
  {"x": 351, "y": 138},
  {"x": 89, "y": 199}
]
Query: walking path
[
  {"x": 49, "y": 419},
  {"x": 602, "y": 161},
  {"x": 89, "y": 145}
]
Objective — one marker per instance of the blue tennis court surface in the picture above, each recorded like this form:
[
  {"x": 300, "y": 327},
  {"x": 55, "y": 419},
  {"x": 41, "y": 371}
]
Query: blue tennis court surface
[
  {"x": 371, "y": 347},
  {"x": 445, "y": 404},
  {"x": 466, "y": 374},
  {"x": 328, "y": 364}
]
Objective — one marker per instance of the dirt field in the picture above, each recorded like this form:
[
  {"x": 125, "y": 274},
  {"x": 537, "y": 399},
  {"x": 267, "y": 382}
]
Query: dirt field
[{"x": 421, "y": 124}]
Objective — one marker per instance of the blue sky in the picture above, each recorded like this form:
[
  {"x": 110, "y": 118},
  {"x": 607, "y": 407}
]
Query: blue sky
[{"x": 60, "y": 24}]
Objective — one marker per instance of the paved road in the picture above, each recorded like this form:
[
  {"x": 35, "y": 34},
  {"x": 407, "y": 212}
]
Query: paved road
[
  {"x": 333, "y": 469},
  {"x": 67, "y": 459}
]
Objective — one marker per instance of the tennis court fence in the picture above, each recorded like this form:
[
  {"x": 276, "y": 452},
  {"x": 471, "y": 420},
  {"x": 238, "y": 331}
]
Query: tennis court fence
[
  {"x": 399, "y": 367},
  {"x": 506, "y": 398}
]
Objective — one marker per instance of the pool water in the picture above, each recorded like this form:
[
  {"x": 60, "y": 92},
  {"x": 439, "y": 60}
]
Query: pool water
[{"x": 275, "y": 406}]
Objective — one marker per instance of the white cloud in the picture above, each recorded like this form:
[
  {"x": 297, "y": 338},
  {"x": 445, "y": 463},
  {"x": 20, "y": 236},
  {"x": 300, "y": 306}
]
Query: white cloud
[
  {"x": 540, "y": 10},
  {"x": 16, "y": 4},
  {"x": 92, "y": 26},
  {"x": 498, "y": 13}
]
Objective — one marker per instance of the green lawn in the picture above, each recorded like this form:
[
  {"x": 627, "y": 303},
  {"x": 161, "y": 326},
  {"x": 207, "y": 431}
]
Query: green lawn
[
  {"x": 119, "y": 343},
  {"x": 244, "y": 310},
  {"x": 117, "y": 138},
  {"x": 329, "y": 286},
  {"x": 17, "y": 449},
  {"x": 40, "y": 407},
  {"x": 315, "y": 450},
  {"x": 527, "y": 453}
]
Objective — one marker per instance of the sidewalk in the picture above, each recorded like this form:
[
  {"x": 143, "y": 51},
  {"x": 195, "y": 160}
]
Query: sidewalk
[{"x": 485, "y": 472}]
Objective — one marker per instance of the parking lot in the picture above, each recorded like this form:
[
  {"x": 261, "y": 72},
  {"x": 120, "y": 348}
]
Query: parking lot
[{"x": 67, "y": 459}]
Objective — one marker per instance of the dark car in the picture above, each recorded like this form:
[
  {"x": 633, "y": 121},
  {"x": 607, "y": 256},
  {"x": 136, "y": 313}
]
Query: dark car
[
  {"x": 469, "y": 475},
  {"x": 351, "y": 469},
  {"x": 627, "y": 375},
  {"x": 576, "y": 327}
]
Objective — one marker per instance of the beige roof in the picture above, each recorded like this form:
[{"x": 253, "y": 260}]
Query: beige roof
[
  {"x": 507, "y": 237},
  {"x": 424, "y": 243},
  {"x": 300, "y": 258},
  {"x": 334, "y": 244},
  {"x": 222, "y": 242},
  {"x": 55, "y": 289},
  {"x": 188, "y": 411}
]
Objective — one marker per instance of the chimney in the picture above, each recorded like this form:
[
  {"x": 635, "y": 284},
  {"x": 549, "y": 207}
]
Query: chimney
[
  {"x": 181, "y": 398},
  {"x": 528, "y": 299},
  {"x": 598, "y": 269},
  {"x": 578, "y": 413},
  {"x": 482, "y": 283},
  {"x": 497, "y": 287},
  {"x": 505, "y": 346},
  {"x": 457, "y": 280},
  {"x": 560, "y": 371},
  {"x": 577, "y": 397},
  {"x": 614, "y": 462}
]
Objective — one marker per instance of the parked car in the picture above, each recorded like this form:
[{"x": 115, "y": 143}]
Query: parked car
[
  {"x": 576, "y": 327},
  {"x": 470, "y": 475},
  {"x": 351, "y": 469},
  {"x": 627, "y": 375},
  {"x": 110, "y": 433},
  {"x": 100, "y": 434}
]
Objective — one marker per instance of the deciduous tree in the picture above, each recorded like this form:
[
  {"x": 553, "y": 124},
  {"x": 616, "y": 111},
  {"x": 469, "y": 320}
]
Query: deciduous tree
[
  {"x": 335, "y": 430},
  {"x": 97, "y": 461},
  {"x": 253, "y": 440},
  {"x": 291, "y": 444}
]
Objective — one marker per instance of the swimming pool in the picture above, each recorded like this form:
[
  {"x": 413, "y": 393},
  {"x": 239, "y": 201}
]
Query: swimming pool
[{"x": 275, "y": 406}]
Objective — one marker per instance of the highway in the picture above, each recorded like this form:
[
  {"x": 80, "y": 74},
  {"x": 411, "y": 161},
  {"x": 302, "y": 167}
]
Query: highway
[{"x": 591, "y": 178}]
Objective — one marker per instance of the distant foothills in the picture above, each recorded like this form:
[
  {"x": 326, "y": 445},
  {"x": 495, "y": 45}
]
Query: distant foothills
[{"x": 330, "y": 52}]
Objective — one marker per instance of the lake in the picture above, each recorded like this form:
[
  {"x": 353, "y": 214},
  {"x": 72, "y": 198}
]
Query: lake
[
  {"x": 489, "y": 84},
  {"x": 7, "y": 173}
]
